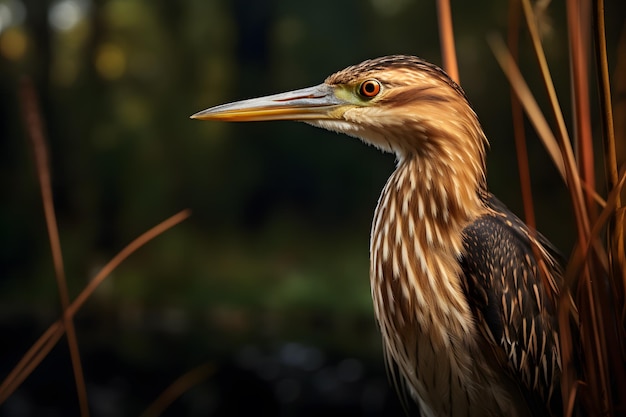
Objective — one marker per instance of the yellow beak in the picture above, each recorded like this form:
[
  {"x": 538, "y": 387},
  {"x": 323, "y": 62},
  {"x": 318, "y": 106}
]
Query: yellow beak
[{"x": 312, "y": 103}]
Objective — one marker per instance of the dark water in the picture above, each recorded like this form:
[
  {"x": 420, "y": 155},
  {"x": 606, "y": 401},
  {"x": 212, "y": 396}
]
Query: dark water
[{"x": 127, "y": 366}]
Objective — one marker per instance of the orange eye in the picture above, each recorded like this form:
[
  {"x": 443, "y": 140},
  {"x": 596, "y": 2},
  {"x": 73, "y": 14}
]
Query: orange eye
[{"x": 369, "y": 88}]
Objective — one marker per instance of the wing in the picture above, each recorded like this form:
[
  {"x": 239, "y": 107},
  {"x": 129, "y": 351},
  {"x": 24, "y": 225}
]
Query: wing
[{"x": 511, "y": 281}]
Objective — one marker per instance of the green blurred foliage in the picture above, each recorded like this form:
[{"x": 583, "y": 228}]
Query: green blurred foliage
[{"x": 271, "y": 201}]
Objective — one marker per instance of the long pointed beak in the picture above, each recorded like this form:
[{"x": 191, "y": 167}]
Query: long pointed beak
[{"x": 312, "y": 103}]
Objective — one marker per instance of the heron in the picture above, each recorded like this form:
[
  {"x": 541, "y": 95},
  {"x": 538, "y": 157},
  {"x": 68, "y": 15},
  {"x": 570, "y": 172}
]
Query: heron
[{"x": 464, "y": 292}]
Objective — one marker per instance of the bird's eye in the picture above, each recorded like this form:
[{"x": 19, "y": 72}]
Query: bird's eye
[{"x": 369, "y": 88}]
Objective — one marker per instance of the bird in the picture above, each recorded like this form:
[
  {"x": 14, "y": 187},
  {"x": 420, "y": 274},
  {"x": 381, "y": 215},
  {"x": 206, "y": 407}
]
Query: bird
[{"x": 464, "y": 292}]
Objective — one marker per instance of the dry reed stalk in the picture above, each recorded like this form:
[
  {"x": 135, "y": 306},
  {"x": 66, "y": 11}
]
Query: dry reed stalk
[
  {"x": 615, "y": 326},
  {"x": 446, "y": 36},
  {"x": 40, "y": 349},
  {"x": 178, "y": 388},
  {"x": 34, "y": 127},
  {"x": 517, "y": 114},
  {"x": 578, "y": 22},
  {"x": 591, "y": 307}
]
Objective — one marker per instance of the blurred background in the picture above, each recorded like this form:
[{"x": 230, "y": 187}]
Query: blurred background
[{"x": 266, "y": 285}]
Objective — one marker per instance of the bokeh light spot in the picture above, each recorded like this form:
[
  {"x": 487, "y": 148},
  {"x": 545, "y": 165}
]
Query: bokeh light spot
[
  {"x": 5, "y": 16},
  {"x": 110, "y": 61},
  {"x": 13, "y": 44},
  {"x": 12, "y": 13},
  {"x": 65, "y": 14}
]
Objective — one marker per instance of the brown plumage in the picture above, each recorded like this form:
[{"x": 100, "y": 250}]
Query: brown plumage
[{"x": 463, "y": 291}]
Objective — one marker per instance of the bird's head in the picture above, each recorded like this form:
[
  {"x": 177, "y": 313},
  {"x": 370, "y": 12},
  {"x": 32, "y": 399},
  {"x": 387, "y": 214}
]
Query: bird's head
[{"x": 400, "y": 104}]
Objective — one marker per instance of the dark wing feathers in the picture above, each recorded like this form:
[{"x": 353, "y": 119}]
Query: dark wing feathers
[{"x": 513, "y": 308}]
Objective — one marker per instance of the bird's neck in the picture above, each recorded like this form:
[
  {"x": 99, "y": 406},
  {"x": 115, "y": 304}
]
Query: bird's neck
[
  {"x": 417, "y": 241},
  {"x": 416, "y": 244}
]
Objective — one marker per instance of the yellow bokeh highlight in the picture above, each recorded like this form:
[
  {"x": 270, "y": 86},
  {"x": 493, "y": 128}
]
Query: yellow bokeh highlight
[
  {"x": 110, "y": 61},
  {"x": 13, "y": 44}
]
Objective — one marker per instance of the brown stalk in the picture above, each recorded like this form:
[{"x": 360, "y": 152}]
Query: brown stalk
[
  {"x": 596, "y": 309},
  {"x": 528, "y": 102},
  {"x": 580, "y": 255},
  {"x": 616, "y": 232},
  {"x": 605, "y": 94},
  {"x": 518, "y": 121},
  {"x": 594, "y": 194},
  {"x": 578, "y": 27},
  {"x": 125, "y": 253},
  {"x": 573, "y": 180},
  {"x": 569, "y": 380},
  {"x": 178, "y": 388},
  {"x": 595, "y": 281},
  {"x": 591, "y": 297},
  {"x": 34, "y": 128},
  {"x": 47, "y": 341},
  {"x": 619, "y": 111},
  {"x": 536, "y": 117},
  {"x": 31, "y": 360},
  {"x": 446, "y": 36}
]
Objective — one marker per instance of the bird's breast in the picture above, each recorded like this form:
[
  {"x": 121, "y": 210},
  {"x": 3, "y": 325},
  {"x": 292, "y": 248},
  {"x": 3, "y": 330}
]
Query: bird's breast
[{"x": 427, "y": 325}]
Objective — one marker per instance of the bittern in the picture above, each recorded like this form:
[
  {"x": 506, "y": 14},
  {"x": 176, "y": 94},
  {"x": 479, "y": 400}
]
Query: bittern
[{"x": 463, "y": 291}]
